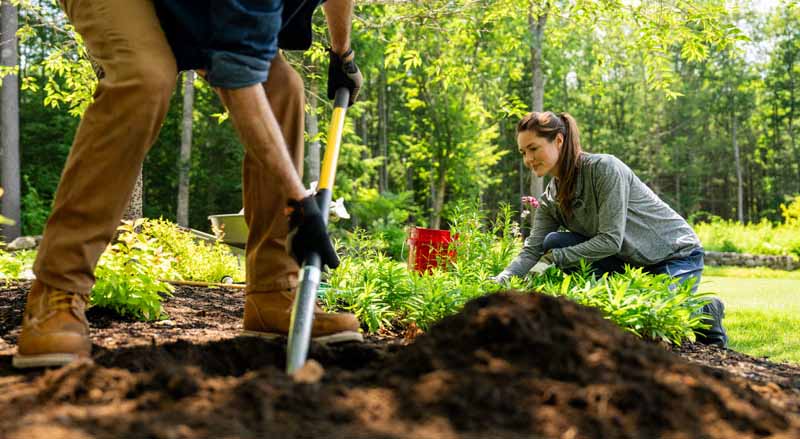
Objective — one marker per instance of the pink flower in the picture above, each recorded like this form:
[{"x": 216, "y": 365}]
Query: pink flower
[{"x": 530, "y": 201}]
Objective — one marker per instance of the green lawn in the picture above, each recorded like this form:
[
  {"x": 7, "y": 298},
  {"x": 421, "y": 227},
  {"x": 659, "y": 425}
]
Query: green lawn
[{"x": 762, "y": 315}]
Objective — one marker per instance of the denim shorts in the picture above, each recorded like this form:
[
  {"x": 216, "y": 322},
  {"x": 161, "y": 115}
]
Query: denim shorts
[{"x": 233, "y": 40}]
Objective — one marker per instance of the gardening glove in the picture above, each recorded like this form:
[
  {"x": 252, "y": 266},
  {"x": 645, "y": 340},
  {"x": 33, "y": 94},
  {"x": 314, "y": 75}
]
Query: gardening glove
[
  {"x": 308, "y": 233},
  {"x": 501, "y": 279},
  {"x": 547, "y": 258},
  {"x": 343, "y": 72}
]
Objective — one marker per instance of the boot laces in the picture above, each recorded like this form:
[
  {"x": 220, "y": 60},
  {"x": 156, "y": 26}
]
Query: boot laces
[
  {"x": 70, "y": 301},
  {"x": 65, "y": 300}
]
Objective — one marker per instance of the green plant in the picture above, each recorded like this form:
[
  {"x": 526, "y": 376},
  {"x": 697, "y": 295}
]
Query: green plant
[
  {"x": 791, "y": 213},
  {"x": 728, "y": 246},
  {"x": 35, "y": 210},
  {"x": 12, "y": 265},
  {"x": 129, "y": 275},
  {"x": 194, "y": 259},
  {"x": 385, "y": 215},
  {"x": 654, "y": 307},
  {"x": 384, "y": 294},
  {"x": 757, "y": 238}
]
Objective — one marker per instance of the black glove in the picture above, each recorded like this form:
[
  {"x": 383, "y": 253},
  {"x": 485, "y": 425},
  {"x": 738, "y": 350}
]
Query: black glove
[
  {"x": 343, "y": 72},
  {"x": 307, "y": 233}
]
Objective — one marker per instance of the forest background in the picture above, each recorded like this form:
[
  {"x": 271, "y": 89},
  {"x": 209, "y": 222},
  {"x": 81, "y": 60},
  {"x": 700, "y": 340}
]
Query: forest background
[{"x": 700, "y": 98}]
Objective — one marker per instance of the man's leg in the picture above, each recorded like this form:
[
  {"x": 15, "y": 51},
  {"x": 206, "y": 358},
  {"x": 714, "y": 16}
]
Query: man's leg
[
  {"x": 130, "y": 103},
  {"x": 271, "y": 272},
  {"x": 269, "y": 267}
]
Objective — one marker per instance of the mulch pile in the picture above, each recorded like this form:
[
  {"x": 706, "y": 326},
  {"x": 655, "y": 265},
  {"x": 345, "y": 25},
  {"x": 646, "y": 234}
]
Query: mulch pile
[{"x": 508, "y": 365}]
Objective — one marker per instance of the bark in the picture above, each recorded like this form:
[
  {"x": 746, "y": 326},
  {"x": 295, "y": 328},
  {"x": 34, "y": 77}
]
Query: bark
[
  {"x": 185, "y": 161},
  {"x": 536, "y": 24},
  {"x": 134, "y": 209},
  {"x": 9, "y": 121},
  {"x": 438, "y": 199},
  {"x": 792, "y": 139},
  {"x": 383, "y": 177},
  {"x": 738, "y": 164},
  {"x": 313, "y": 160}
]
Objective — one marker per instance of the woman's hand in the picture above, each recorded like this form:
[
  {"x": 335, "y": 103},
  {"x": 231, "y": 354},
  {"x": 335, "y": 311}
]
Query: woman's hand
[
  {"x": 547, "y": 258},
  {"x": 501, "y": 279}
]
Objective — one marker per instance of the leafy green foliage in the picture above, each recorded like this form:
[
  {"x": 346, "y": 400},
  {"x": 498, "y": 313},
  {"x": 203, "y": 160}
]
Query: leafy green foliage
[
  {"x": 130, "y": 275},
  {"x": 385, "y": 216},
  {"x": 194, "y": 259},
  {"x": 35, "y": 210},
  {"x": 384, "y": 294},
  {"x": 762, "y": 238},
  {"x": 13, "y": 265},
  {"x": 654, "y": 307},
  {"x": 791, "y": 213}
]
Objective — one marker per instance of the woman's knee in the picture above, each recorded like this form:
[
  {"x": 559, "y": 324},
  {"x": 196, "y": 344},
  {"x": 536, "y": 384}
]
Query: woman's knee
[
  {"x": 551, "y": 241},
  {"x": 555, "y": 240}
]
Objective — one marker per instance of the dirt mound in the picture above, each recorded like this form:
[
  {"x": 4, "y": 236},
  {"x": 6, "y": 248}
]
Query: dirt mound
[
  {"x": 547, "y": 365},
  {"x": 508, "y": 365}
]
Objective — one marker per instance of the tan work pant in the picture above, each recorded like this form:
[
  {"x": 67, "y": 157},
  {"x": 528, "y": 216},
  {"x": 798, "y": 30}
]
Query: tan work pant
[{"x": 120, "y": 126}]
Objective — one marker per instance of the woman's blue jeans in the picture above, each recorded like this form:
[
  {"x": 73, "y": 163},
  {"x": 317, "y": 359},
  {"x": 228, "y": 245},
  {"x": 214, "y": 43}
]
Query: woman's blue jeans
[{"x": 683, "y": 269}]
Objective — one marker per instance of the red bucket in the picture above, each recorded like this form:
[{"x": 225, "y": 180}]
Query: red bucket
[{"x": 428, "y": 248}]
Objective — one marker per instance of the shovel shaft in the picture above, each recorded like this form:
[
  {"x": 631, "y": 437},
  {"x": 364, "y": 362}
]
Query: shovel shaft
[
  {"x": 331, "y": 158},
  {"x": 303, "y": 307},
  {"x": 303, "y": 314}
]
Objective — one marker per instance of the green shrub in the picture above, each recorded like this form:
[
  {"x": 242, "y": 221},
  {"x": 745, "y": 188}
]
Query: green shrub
[
  {"x": 654, "y": 307},
  {"x": 384, "y": 215},
  {"x": 729, "y": 247},
  {"x": 385, "y": 295},
  {"x": 35, "y": 210},
  {"x": 791, "y": 213},
  {"x": 195, "y": 259},
  {"x": 757, "y": 238},
  {"x": 13, "y": 264},
  {"x": 129, "y": 275}
]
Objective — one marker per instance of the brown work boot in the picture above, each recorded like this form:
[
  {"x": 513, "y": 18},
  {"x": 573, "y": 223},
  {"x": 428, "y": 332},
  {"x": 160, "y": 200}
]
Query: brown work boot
[
  {"x": 54, "y": 329},
  {"x": 268, "y": 315}
]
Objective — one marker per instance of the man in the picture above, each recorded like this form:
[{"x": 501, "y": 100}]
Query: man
[{"x": 140, "y": 47}]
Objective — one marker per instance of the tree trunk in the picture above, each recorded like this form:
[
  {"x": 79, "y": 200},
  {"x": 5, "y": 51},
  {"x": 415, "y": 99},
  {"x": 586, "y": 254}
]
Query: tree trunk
[
  {"x": 134, "y": 209},
  {"x": 536, "y": 22},
  {"x": 312, "y": 125},
  {"x": 383, "y": 178},
  {"x": 738, "y": 164},
  {"x": 9, "y": 121},
  {"x": 792, "y": 139},
  {"x": 185, "y": 161},
  {"x": 438, "y": 199}
]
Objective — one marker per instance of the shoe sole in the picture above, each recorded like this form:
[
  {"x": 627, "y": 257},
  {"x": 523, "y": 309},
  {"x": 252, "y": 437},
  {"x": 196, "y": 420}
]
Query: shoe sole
[
  {"x": 339, "y": 337},
  {"x": 43, "y": 360}
]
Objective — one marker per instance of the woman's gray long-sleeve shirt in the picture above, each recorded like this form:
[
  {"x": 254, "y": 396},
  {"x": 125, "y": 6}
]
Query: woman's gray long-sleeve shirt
[{"x": 620, "y": 215}]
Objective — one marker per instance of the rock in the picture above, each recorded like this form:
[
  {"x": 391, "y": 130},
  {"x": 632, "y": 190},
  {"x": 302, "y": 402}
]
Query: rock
[
  {"x": 310, "y": 373},
  {"x": 23, "y": 243}
]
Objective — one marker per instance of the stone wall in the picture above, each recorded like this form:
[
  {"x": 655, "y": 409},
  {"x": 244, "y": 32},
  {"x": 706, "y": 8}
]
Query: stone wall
[{"x": 747, "y": 260}]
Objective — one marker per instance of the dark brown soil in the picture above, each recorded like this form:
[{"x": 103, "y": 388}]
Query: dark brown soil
[{"x": 508, "y": 365}]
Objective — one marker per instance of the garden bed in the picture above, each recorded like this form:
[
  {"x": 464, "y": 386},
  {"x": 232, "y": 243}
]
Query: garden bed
[{"x": 507, "y": 365}]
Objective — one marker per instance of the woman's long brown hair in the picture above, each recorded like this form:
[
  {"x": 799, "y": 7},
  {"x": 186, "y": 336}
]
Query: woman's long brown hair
[{"x": 548, "y": 125}]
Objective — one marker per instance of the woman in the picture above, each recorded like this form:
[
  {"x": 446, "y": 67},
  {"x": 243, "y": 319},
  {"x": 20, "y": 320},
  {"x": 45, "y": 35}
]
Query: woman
[{"x": 612, "y": 217}]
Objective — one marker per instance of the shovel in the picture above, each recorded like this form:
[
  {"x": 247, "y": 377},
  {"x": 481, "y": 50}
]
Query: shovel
[{"x": 303, "y": 307}]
